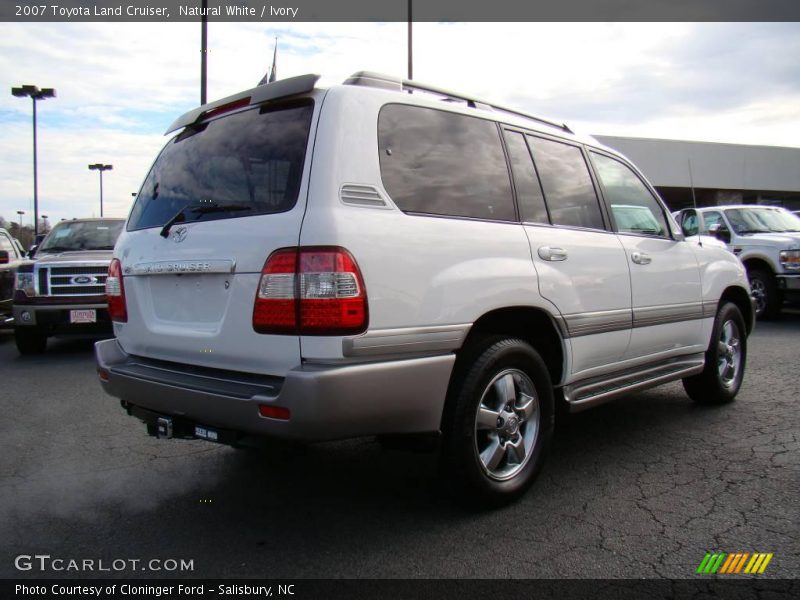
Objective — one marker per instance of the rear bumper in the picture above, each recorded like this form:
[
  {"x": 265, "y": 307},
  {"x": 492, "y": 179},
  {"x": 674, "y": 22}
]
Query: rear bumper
[{"x": 325, "y": 402}]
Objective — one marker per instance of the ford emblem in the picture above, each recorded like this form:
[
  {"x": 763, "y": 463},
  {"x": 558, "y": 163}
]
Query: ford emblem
[{"x": 83, "y": 280}]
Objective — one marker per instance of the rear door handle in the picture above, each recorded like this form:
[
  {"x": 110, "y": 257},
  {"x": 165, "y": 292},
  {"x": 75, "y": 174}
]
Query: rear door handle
[
  {"x": 552, "y": 254},
  {"x": 640, "y": 258}
]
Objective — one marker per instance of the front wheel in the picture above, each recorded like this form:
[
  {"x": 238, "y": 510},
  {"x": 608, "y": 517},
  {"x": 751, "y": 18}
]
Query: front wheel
[
  {"x": 498, "y": 421},
  {"x": 724, "y": 360},
  {"x": 766, "y": 294}
]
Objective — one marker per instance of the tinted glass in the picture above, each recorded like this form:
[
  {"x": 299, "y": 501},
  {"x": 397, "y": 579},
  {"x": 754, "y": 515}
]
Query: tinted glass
[
  {"x": 712, "y": 218},
  {"x": 442, "y": 163},
  {"x": 634, "y": 207},
  {"x": 251, "y": 161},
  {"x": 70, "y": 236},
  {"x": 568, "y": 190},
  {"x": 762, "y": 220},
  {"x": 529, "y": 192}
]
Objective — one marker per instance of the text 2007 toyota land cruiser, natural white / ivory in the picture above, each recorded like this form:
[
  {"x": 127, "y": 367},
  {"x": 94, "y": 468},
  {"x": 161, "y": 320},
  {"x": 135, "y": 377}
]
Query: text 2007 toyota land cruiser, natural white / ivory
[{"x": 315, "y": 264}]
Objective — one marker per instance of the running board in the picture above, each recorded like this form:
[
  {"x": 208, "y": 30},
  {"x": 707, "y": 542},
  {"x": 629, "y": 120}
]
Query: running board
[{"x": 591, "y": 392}]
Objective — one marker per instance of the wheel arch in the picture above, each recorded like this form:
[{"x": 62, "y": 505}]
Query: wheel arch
[
  {"x": 533, "y": 325},
  {"x": 739, "y": 296},
  {"x": 758, "y": 263}
]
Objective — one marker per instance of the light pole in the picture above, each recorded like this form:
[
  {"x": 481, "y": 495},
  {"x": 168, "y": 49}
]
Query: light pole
[
  {"x": 35, "y": 94},
  {"x": 101, "y": 167},
  {"x": 20, "y": 213}
]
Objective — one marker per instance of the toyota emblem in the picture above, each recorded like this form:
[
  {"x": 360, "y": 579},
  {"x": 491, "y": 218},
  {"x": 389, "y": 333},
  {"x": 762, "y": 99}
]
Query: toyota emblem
[{"x": 179, "y": 235}]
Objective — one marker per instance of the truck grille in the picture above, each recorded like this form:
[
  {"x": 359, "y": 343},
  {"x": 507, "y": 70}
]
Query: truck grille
[{"x": 80, "y": 280}]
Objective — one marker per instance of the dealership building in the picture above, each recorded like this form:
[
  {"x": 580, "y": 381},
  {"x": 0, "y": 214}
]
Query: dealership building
[{"x": 713, "y": 174}]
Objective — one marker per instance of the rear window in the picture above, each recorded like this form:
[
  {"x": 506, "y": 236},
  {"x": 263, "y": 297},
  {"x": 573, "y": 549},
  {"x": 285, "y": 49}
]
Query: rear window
[
  {"x": 71, "y": 236},
  {"x": 441, "y": 163},
  {"x": 251, "y": 161}
]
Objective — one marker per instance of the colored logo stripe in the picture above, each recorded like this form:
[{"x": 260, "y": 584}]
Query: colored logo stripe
[{"x": 723, "y": 563}]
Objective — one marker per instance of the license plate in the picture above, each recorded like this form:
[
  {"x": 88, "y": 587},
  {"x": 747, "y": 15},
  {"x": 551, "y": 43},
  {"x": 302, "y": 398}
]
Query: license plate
[
  {"x": 83, "y": 316},
  {"x": 206, "y": 433}
]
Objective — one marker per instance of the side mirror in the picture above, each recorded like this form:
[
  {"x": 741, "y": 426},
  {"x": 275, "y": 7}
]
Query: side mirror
[
  {"x": 4, "y": 257},
  {"x": 32, "y": 251},
  {"x": 719, "y": 231}
]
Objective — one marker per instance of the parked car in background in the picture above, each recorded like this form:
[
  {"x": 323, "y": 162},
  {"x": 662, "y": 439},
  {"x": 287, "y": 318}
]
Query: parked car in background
[
  {"x": 62, "y": 291},
  {"x": 11, "y": 255},
  {"x": 458, "y": 270},
  {"x": 767, "y": 241}
]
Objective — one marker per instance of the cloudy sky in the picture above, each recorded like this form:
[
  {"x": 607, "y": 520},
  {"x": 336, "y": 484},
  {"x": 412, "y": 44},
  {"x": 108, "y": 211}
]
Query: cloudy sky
[{"x": 120, "y": 85}]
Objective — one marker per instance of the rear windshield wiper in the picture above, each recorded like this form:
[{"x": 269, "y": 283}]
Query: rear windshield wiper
[{"x": 200, "y": 209}]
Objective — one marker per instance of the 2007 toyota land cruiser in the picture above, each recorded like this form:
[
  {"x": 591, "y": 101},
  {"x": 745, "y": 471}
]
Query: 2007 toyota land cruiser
[{"x": 314, "y": 264}]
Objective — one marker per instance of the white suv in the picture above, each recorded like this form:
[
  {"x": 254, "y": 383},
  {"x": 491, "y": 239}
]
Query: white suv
[{"x": 314, "y": 264}]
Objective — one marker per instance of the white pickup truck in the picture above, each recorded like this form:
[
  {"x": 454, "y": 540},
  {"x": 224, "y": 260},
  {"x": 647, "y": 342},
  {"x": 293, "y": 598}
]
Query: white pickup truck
[{"x": 767, "y": 241}]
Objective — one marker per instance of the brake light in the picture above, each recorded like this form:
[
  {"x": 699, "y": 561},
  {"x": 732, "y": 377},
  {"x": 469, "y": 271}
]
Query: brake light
[
  {"x": 115, "y": 292},
  {"x": 311, "y": 291}
]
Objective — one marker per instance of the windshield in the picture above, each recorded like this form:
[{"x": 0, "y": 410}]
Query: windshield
[
  {"x": 762, "y": 220},
  {"x": 70, "y": 236},
  {"x": 243, "y": 164}
]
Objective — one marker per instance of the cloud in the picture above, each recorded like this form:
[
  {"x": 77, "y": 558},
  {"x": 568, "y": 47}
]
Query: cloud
[{"x": 120, "y": 85}]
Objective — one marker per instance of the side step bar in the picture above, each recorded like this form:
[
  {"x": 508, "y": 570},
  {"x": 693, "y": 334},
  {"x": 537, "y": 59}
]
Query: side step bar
[{"x": 581, "y": 395}]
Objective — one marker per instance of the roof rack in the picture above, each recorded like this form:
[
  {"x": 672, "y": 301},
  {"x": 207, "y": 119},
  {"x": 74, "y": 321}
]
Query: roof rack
[{"x": 388, "y": 82}]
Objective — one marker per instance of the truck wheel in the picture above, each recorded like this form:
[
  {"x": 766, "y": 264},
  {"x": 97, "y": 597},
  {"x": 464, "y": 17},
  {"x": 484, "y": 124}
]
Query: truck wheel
[
  {"x": 30, "y": 340},
  {"x": 498, "y": 421},
  {"x": 725, "y": 360},
  {"x": 766, "y": 293}
]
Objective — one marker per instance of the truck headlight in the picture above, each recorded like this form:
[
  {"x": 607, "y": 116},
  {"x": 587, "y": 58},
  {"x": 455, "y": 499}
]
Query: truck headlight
[
  {"x": 790, "y": 259},
  {"x": 24, "y": 282}
]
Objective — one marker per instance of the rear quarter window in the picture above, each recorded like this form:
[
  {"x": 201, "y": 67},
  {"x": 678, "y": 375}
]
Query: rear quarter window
[{"x": 438, "y": 162}]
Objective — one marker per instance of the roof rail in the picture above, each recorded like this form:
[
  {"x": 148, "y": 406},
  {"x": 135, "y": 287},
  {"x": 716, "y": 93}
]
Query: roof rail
[
  {"x": 388, "y": 82},
  {"x": 262, "y": 93}
]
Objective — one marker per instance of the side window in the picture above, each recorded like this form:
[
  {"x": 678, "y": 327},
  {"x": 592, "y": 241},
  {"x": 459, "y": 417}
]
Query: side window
[
  {"x": 529, "y": 192},
  {"x": 711, "y": 218},
  {"x": 568, "y": 190},
  {"x": 443, "y": 163},
  {"x": 634, "y": 207}
]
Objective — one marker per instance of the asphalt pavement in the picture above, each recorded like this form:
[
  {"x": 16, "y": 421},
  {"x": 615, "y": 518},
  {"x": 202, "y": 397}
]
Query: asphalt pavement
[{"x": 639, "y": 488}]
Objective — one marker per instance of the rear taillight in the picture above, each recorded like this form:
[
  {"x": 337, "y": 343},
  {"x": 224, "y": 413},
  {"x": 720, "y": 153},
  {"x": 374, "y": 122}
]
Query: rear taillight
[
  {"x": 311, "y": 291},
  {"x": 115, "y": 292}
]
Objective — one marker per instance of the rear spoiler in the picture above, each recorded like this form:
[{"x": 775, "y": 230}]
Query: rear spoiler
[{"x": 262, "y": 93}]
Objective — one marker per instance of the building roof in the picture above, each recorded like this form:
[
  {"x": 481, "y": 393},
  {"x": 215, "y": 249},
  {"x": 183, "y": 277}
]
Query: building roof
[{"x": 713, "y": 165}]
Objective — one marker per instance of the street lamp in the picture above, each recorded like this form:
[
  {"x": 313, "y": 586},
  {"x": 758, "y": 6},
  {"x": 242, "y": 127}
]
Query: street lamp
[
  {"x": 101, "y": 167},
  {"x": 20, "y": 213},
  {"x": 35, "y": 94},
  {"x": 44, "y": 218}
]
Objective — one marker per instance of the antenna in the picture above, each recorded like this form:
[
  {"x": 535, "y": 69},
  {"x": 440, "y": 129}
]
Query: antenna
[{"x": 691, "y": 183}]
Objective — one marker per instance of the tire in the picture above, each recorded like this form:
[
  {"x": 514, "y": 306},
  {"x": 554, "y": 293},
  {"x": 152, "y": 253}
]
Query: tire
[
  {"x": 725, "y": 360},
  {"x": 765, "y": 291},
  {"x": 498, "y": 421},
  {"x": 30, "y": 340}
]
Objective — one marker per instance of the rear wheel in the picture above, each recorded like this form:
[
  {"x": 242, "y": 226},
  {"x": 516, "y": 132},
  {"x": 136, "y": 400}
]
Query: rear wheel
[
  {"x": 498, "y": 421},
  {"x": 766, "y": 293},
  {"x": 725, "y": 360},
  {"x": 30, "y": 340}
]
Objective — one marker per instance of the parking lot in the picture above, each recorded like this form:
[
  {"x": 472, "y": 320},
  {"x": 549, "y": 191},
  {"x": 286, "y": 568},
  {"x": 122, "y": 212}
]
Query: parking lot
[{"x": 642, "y": 487}]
